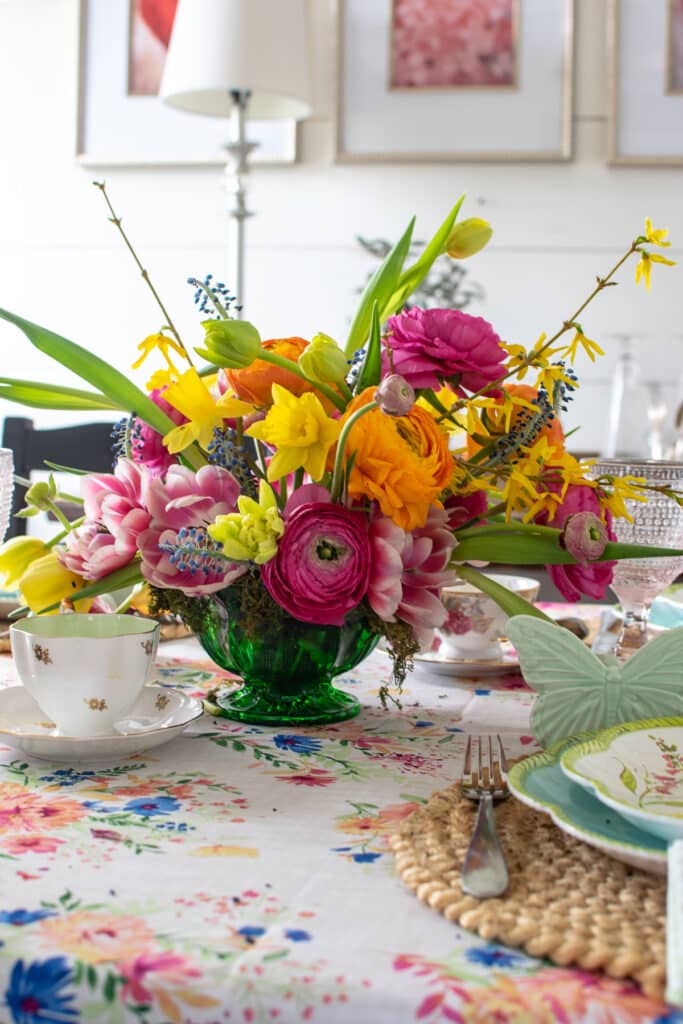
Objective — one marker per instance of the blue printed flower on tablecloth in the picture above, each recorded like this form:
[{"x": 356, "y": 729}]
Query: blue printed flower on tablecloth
[
  {"x": 148, "y": 806},
  {"x": 495, "y": 956},
  {"x": 35, "y": 994},
  {"x": 298, "y": 935},
  {"x": 297, "y": 744},
  {"x": 67, "y": 776},
  {"x": 21, "y": 916}
]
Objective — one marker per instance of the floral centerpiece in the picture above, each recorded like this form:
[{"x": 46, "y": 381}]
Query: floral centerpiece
[{"x": 294, "y": 500}]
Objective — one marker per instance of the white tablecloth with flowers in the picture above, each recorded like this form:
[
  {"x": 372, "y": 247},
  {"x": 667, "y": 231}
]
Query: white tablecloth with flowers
[{"x": 242, "y": 874}]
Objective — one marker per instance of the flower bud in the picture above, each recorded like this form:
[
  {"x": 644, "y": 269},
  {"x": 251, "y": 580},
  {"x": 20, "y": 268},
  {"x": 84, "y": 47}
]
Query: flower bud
[
  {"x": 323, "y": 361},
  {"x": 584, "y": 536},
  {"x": 395, "y": 396},
  {"x": 16, "y": 555},
  {"x": 468, "y": 237},
  {"x": 40, "y": 495},
  {"x": 232, "y": 343}
]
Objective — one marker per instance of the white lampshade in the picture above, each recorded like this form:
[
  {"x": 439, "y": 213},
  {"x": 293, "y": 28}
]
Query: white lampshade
[{"x": 218, "y": 46}]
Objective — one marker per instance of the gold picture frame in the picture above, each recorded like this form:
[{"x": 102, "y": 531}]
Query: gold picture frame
[
  {"x": 528, "y": 122},
  {"x": 645, "y": 114}
]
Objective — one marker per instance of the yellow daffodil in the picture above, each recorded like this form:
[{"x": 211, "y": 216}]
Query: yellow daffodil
[
  {"x": 251, "y": 535},
  {"x": 16, "y": 555},
  {"x": 190, "y": 396},
  {"x": 301, "y": 431},
  {"x": 591, "y": 348},
  {"x": 46, "y": 582},
  {"x": 644, "y": 265},
  {"x": 162, "y": 343},
  {"x": 160, "y": 379},
  {"x": 656, "y": 236}
]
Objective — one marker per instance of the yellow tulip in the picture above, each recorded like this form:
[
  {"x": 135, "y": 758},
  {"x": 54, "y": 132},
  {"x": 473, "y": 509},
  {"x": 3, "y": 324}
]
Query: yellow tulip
[
  {"x": 16, "y": 555},
  {"x": 47, "y": 582},
  {"x": 468, "y": 237}
]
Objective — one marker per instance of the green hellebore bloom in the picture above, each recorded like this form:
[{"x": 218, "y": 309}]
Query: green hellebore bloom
[
  {"x": 234, "y": 344},
  {"x": 323, "y": 361},
  {"x": 468, "y": 237}
]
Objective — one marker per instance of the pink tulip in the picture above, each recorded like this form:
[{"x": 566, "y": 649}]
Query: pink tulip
[
  {"x": 166, "y": 563},
  {"x": 189, "y": 498},
  {"x": 92, "y": 552},
  {"x": 109, "y": 497}
]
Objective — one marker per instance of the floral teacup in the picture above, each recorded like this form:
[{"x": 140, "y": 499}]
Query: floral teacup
[
  {"x": 84, "y": 671},
  {"x": 474, "y": 621}
]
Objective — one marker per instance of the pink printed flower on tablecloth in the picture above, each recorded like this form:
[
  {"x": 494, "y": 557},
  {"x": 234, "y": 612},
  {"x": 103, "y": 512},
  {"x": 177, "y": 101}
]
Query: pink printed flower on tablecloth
[
  {"x": 407, "y": 571},
  {"x": 92, "y": 552},
  {"x": 313, "y": 777},
  {"x": 98, "y": 937},
  {"x": 147, "y": 447},
  {"x": 431, "y": 346},
  {"x": 22, "y": 810},
  {"x": 144, "y": 975},
  {"x": 322, "y": 565},
  {"x": 19, "y": 845}
]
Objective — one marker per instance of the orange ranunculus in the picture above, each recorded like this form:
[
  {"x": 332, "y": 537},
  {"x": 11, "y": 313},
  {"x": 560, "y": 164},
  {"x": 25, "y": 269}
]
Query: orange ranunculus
[
  {"x": 402, "y": 462},
  {"x": 254, "y": 383},
  {"x": 553, "y": 431}
]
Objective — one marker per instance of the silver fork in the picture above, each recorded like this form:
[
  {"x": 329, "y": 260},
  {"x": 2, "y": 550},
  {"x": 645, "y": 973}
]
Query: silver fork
[{"x": 484, "y": 871}]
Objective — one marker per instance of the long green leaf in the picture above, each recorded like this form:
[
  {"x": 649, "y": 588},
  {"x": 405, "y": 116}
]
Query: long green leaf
[
  {"x": 38, "y": 395},
  {"x": 415, "y": 275},
  {"x": 517, "y": 547},
  {"x": 127, "y": 576},
  {"x": 511, "y": 603},
  {"x": 371, "y": 369},
  {"x": 95, "y": 371},
  {"x": 379, "y": 289}
]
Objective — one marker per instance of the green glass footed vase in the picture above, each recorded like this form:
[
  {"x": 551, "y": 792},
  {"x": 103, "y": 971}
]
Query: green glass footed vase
[{"x": 287, "y": 666}]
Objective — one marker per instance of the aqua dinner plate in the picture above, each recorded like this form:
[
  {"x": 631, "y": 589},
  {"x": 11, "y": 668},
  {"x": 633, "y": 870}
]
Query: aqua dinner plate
[
  {"x": 636, "y": 768},
  {"x": 539, "y": 782}
]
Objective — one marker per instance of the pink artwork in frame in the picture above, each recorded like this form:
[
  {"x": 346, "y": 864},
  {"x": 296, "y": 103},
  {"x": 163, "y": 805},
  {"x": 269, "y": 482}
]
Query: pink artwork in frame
[
  {"x": 454, "y": 43},
  {"x": 151, "y": 22}
]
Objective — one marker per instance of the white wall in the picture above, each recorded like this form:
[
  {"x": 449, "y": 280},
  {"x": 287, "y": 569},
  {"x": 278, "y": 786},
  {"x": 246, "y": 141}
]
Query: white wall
[{"x": 556, "y": 225}]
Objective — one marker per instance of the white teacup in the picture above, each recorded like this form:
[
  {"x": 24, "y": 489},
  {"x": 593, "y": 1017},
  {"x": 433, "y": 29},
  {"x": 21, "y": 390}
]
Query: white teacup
[
  {"x": 85, "y": 671},
  {"x": 475, "y": 622}
]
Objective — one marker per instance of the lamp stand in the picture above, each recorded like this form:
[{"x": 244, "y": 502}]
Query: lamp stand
[{"x": 236, "y": 178}]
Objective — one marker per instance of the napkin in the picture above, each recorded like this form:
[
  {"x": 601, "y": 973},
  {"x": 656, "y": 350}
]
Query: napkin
[{"x": 674, "y": 925}]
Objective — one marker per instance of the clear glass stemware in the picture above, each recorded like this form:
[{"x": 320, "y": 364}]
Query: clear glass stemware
[
  {"x": 6, "y": 488},
  {"x": 659, "y": 521}
]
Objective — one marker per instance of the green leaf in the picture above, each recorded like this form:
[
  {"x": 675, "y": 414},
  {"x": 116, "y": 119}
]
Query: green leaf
[
  {"x": 379, "y": 289},
  {"x": 628, "y": 779},
  {"x": 95, "y": 371},
  {"x": 372, "y": 364},
  {"x": 91, "y": 976},
  {"x": 516, "y": 546},
  {"x": 415, "y": 275},
  {"x": 615, "y": 550},
  {"x": 512, "y": 604},
  {"x": 126, "y": 576},
  {"x": 49, "y": 396}
]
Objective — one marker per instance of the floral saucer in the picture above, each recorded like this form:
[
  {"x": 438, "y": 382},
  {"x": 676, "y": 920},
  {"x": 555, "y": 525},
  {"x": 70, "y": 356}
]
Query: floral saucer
[
  {"x": 469, "y": 668},
  {"x": 637, "y": 769},
  {"x": 159, "y": 714},
  {"x": 539, "y": 782}
]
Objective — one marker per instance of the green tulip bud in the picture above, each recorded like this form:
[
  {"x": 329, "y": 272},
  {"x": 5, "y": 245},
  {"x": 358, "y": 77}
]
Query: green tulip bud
[
  {"x": 234, "y": 344},
  {"x": 323, "y": 361},
  {"x": 468, "y": 237},
  {"x": 41, "y": 495}
]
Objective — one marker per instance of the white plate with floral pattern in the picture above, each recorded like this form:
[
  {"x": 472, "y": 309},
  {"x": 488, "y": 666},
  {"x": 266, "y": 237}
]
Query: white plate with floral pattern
[
  {"x": 637, "y": 770},
  {"x": 469, "y": 668},
  {"x": 159, "y": 714}
]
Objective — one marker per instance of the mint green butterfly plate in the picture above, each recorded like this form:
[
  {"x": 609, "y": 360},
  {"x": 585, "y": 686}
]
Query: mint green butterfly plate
[
  {"x": 539, "y": 782},
  {"x": 579, "y": 690}
]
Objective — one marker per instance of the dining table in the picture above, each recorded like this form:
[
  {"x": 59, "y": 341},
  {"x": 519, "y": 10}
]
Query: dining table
[{"x": 244, "y": 873}]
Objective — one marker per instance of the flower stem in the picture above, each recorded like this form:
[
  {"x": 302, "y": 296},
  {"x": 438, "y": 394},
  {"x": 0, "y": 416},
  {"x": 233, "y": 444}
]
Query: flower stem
[
  {"x": 335, "y": 487},
  {"x": 116, "y": 221}
]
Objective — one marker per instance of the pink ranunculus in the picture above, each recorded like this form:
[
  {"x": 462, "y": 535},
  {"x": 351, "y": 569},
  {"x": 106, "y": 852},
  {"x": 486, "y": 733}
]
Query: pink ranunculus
[
  {"x": 164, "y": 564},
  {"x": 109, "y": 497},
  {"x": 92, "y": 552},
  {"x": 463, "y": 507},
  {"x": 148, "y": 449},
  {"x": 408, "y": 571},
  {"x": 188, "y": 498},
  {"x": 322, "y": 565},
  {"x": 593, "y": 578},
  {"x": 429, "y": 346}
]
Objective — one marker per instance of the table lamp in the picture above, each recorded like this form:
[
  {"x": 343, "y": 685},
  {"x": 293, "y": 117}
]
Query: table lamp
[{"x": 239, "y": 58}]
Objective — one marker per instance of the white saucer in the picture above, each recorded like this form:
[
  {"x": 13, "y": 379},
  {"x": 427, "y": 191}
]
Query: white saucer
[
  {"x": 159, "y": 714},
  {"x": 470, "y": 668}
]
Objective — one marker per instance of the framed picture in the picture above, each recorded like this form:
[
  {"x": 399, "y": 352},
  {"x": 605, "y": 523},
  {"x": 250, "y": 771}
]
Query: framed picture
[
  {"x": 645, "y": 82},
  {"x": 121, "y": 120},
  {"x": 454, "y": 80}
]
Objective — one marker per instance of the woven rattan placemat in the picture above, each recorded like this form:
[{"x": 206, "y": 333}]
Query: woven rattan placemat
[{"x": 567, "y": 901}]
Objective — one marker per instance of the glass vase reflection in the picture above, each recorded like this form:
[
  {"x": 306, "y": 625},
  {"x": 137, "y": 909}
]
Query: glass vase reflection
[{"x": 287, "y": 666}]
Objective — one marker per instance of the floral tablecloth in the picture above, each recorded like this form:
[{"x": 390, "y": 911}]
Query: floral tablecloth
[{"x": 243, "y": 874}]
